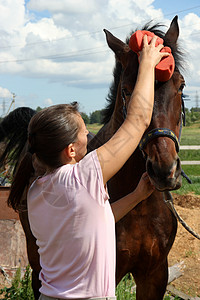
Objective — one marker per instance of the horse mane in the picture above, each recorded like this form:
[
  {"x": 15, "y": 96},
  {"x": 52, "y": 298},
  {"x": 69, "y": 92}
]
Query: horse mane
[
  {"x": 13, "y": 134},
  {"x": 111, "y": 97}
]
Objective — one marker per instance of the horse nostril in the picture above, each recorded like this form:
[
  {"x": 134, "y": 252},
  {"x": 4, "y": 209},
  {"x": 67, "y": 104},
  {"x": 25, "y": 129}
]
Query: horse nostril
[
  {"x": 163, "y": 172},
  {"x": 165, "y": 176},
  {"x": 178, "y": 163}
]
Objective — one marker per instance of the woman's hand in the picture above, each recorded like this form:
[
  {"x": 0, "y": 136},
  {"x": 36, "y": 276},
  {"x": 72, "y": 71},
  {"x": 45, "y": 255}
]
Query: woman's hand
[
  {"x": 150, "y": 52},
  {"x": 144, "y": 188}
]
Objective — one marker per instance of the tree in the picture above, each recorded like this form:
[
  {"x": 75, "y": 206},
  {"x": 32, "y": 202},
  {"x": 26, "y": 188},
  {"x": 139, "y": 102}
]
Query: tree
[
  {"x": 96, "y": 116},
  {"x": 195, "y": 109},
  {"x": 85, "y": 117},
  {"x": 38, "y": 108}
]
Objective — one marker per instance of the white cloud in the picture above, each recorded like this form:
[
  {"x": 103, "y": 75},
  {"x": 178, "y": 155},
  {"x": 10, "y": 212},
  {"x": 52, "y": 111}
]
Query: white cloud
[
  {"x": 67, "y": 6},
  {"x": 190, "y": 41},
  {"x": 48, "y": 102},
  {"x": 74, "y": 35},
  {"x": 12, "y": 14},
  {"x": 5, "y": 93},
  {"x": 44, "y": 30}
]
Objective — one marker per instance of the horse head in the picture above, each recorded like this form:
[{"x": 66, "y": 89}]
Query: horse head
[{"x": 160, "y": 143}]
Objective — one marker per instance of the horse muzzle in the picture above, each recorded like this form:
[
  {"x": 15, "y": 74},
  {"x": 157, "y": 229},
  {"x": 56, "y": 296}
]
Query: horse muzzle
[
  {"x": 162, "y": 162},
  {"x": 165, "y": 177}
]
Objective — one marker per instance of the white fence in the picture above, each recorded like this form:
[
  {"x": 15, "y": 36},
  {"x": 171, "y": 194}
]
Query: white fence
[
  {"x": 192, "y": 162},
  {"x": 189, "y": 147}
]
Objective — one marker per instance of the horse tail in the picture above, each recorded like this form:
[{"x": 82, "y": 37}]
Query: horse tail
[{"x": 13, "y": 135}]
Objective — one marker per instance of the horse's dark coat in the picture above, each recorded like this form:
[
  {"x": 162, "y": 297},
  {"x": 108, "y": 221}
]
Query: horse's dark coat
[{"x": 145, "y": 236}]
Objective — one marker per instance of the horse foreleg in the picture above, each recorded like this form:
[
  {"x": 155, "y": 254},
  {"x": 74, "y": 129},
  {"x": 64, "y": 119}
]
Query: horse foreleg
[
  {"x": 36, "y": 284},
  {"x": 32, "y": 252},
  {"x": 152, "y": 285},
  {"x": 33, "y": 257}
]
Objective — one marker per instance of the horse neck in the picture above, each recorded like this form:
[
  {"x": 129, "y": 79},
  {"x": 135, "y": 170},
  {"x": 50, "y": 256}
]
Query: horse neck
[{"x": 117, "y": 117}]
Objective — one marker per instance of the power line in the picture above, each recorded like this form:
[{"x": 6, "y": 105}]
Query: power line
[
  {"x": 78, "y": 53},
  {"x": 61, "y": 56},
  {"x": 74, "y": 53},
  {"x": 91, "y": 33},
  {"x": 53, "y": 40},
  {"x": 183, "y": 10}
]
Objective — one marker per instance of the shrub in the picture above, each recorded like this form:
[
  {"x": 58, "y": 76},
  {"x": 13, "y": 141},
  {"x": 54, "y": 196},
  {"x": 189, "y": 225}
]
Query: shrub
[{"x": 21, "y": 288}]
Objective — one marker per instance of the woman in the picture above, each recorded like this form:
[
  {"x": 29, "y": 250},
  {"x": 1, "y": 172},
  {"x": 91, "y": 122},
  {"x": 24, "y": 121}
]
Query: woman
[{"x": 68, "y": 207}]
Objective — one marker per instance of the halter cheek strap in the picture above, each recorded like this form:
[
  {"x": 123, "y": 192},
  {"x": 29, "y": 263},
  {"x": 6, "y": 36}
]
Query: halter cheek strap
[{"x": 159, "y": 132}]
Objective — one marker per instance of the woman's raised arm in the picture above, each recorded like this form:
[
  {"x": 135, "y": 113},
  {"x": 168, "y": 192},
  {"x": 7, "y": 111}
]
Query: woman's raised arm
[{"x": 114, "y": 153}]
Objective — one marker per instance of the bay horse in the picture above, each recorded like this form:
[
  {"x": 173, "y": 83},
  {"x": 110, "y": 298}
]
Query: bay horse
[{"x": 145, "y": 235}]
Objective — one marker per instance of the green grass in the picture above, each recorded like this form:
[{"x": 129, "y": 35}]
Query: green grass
[
  {"x": 189, "y": 154},
  {"x": 191, "y": 134},
  {"x": 94, "y": 128},
  {"x": 187, "y": 188},
  {"x": 125, "y": 289},
  {"x": 191, "y": 170}
]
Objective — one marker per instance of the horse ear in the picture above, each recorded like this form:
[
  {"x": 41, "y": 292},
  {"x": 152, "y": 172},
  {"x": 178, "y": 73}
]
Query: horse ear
[
  {"x": 173, "y": 31},
  {"x": 119, "y": 48}
]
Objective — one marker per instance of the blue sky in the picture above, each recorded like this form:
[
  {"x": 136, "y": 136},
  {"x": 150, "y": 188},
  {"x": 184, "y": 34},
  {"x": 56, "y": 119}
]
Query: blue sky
[{"x": 55, "y": 51}]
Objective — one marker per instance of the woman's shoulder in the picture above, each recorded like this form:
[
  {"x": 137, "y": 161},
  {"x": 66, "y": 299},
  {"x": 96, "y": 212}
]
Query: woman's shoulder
[{"x": 89, "y": 159}]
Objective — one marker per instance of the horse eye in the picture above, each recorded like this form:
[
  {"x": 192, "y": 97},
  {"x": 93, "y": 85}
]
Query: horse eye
[
  {"x": 125, "y": 92},
  {"x": 181, "y": 88}
]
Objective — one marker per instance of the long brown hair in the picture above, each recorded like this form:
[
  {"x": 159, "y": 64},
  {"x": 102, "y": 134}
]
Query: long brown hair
[{"x": 49, "y": 132}]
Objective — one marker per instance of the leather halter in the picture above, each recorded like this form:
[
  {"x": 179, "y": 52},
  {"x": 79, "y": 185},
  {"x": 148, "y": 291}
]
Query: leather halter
[
  {"x": 164, "y": 132},
  {"x": 159, "y": 132}
]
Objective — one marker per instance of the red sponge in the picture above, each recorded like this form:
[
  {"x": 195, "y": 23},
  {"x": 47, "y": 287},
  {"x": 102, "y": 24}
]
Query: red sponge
[{"x": 165, "y": 68}]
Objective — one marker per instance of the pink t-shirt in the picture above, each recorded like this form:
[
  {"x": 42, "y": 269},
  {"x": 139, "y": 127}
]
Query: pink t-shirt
[{"x": 71, "y": 218}]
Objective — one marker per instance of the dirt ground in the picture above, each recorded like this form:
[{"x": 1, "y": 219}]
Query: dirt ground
[{"x": 186, "y": 247}]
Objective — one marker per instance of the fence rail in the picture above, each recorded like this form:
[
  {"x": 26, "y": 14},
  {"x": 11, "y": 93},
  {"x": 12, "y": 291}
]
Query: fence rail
[
  {"x": 194, "y": 147},
  {"x": 190, "y": 147},
  {"x": 190, "y": 162}
]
